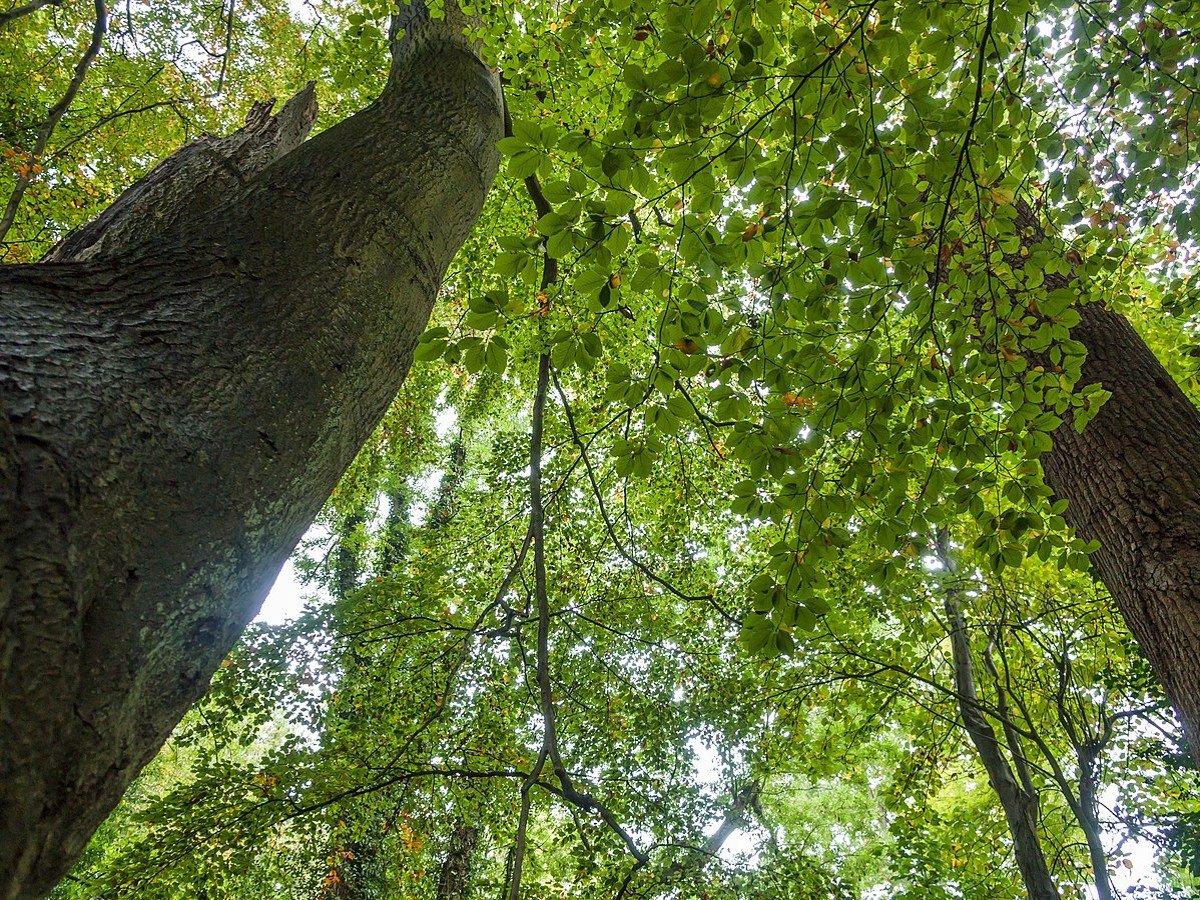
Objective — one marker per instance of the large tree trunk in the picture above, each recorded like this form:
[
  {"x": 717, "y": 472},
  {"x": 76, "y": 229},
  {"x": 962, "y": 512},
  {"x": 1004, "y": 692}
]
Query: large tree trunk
[
  {"x": 1133, "y": 481},
  {"x": 176, "y": 413}
]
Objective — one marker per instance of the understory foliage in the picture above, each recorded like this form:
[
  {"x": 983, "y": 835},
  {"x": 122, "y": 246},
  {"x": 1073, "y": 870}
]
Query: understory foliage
[{"x": 638, "y": 590}]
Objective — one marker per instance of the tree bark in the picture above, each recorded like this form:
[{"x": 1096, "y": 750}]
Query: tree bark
[
  {"x": 1019, "y": 801},
  {"x": 193, "y": 180},
  {"x": 176, "y": 413},
  {"x": 1133, "y": 481},
  {"x": 1093, "y": 831},
  {"x": 454, "y": 880}
]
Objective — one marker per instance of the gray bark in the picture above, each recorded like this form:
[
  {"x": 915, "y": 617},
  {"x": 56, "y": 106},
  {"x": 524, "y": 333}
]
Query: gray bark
[
  {"x": 1093, "y": 831},
  {"x": 175, "y": 414},
  {"x": 1018, "y": 798},
  {"x": 193, "y": 180}
]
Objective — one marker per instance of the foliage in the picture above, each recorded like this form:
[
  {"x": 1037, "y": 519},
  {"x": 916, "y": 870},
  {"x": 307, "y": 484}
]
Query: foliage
[{"x": 815, "y": 271}]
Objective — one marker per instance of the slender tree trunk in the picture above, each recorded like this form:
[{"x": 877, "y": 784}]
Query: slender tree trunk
[
  {"x": 175, "y": 414},
  {"x": 1019, "y": 802},
  {"x": 1092, "y": 833}
]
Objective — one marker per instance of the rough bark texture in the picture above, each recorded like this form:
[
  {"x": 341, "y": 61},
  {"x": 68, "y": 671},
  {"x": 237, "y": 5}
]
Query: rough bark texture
[
  {"x": 174, "y": 416},
  {"x": 1132, "y": 479},
  {"x": 454, "y": 880},
  {"x": 193, "y": 180}
]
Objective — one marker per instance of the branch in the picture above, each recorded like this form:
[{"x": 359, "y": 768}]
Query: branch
[
  {"x": 56, "y": 113},
  {"x": 537, "y": 532},
  {"x": 747, "y": 797},
  {"x": 1015, "y": 747},
  {"x": 11, "y": 15},
  {"x": 513, "y": 571},
  {"x": 517, "y": 857},
  {"x": 193, "y": 179},
  {"x": 1019, "y": 804},
  {"x": 608, "y": 524},
  {"x": 228, "y": 47}
]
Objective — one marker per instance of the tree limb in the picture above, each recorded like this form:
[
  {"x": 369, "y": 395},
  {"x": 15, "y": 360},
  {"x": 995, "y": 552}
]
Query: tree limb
[
  {"x": 1020, "y": 807},
  {"x": 193, "y": 180},
  {"x": 10, "y": 15},
  {"x": 537, "y": 532}
]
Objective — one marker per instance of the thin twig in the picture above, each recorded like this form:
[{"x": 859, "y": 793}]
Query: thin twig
[{"x": 608, "y": 524}]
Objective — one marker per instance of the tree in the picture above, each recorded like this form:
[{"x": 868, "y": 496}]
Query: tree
[
  {"x": 424, "y": 720},
  {"x": 158, "y": 471},
  {"x": 401, "y": 756},
  {"x": 1015, "y": 790},
  {"x": 795, "y": 238}
]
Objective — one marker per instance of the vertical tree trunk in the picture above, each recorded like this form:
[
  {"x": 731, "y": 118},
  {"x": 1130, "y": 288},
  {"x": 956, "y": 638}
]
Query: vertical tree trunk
[
  {"x": 1093, "y": 834},
  {"x": 1132, "y": 481},
  {"x": 454, "y": 882},
  {"x": 1019, "y": 802},
  {"x": 174, "y": 416}
]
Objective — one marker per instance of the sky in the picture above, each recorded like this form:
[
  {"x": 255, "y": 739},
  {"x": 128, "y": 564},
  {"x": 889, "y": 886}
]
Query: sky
[{"x": 286, "y": 598}]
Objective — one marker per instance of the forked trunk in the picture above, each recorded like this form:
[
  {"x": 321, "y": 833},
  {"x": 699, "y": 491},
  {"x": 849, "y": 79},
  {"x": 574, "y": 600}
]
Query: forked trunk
[{"x": 1018, "y": 797}]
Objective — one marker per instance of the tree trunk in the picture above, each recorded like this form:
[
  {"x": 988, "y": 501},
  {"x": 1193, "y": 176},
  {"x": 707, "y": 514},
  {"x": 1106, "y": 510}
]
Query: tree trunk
[
  {"x": 1019, "y": 802},
  {"x": 454, "y": 881},
  {"x": 176, "y": 413},
  {"x": 1133, "y": 481},
  {"x": 1093, "y": 833}
]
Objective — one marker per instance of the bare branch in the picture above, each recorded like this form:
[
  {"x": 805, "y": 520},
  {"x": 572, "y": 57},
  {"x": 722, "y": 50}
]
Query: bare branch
[{"x": 11, "y": 15}]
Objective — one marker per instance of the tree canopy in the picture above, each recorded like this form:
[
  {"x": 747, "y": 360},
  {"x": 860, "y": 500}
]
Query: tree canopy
[{"x": 730, "y": 493}]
